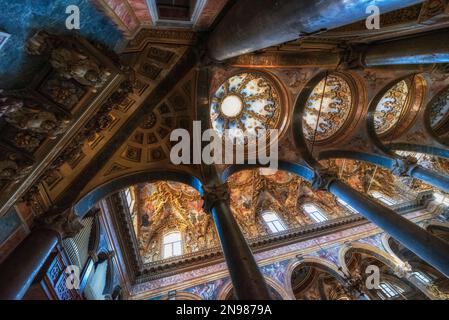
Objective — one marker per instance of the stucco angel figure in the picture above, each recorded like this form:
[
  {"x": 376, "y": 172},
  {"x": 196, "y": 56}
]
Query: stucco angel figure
[
  {"x": 67, "y": 60},
  {"x": 25, "y": 115},
  {"x": 72, "y": 64}
]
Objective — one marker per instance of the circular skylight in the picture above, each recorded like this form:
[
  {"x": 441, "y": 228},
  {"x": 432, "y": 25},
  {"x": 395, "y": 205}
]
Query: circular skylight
[{"x": 247, "y": 103}]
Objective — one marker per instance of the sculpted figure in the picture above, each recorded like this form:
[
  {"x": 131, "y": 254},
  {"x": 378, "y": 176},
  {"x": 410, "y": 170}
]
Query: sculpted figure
[
  {"x": 25, "y": 115},
  {"x": 12, "y": 167},
  {"x": 68, "y": 60},
  {"x": 72, "y": 64}
]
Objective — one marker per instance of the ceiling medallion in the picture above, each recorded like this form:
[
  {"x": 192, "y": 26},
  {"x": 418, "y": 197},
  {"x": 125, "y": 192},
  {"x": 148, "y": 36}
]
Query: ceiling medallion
[
  {"x": 327, "y": 109},
  {"x": 246, "y": 103}
]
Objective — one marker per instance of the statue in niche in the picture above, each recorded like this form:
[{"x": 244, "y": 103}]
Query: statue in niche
[
  {"x": 26, "y": 114},
  {"x": 68, "y": 60}
]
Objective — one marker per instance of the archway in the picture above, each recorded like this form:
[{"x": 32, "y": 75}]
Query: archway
[
  {"x": 380, "y": 276},
  {"x": 312, "y": 279}
]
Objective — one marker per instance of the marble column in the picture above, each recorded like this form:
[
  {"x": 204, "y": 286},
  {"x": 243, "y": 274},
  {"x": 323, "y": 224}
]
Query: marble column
[
  {"x": 431, "y": 177},
  {"x": 274, "y": 22},
  {"x": 247, "y": 279},
  {"x": 428, "y": 247},
  {"x": 429, "y": 48},
  {"x": 408, "y": 167},
  {"x": 18, "y": 271}
]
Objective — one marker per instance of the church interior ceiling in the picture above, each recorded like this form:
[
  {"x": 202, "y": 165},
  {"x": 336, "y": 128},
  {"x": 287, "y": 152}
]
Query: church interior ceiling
[{"x": 90, "y": 109}]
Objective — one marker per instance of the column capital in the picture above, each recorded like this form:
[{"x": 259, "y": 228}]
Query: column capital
[
  {"x": 352, "y": 56},
  {"x": 402, "y": 167},
  {"x": 66, "y": 223},
  {"x": 213, "y": 194},
  {"x": 322, "y": 178}
]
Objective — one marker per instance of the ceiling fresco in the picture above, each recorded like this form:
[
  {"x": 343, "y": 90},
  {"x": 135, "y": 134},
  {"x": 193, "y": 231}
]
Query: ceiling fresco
[
  {"x": 164, "y": 207},
  {"x": 328, "y": 108},
  {"x": 439, "y": 109},
  {"x": 367, "y": 178},
  {"x": 390, "y": 107},
  {"x": 283, "y": 193},
  {"x": 249, "y": 102}
]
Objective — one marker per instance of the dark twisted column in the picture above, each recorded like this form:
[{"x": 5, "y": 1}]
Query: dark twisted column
[
  {"x": 253, "y": 25},
  {"x": 428, "y": 247},
  {"x": 18, "y": 271},
  {"x": 408, "y": 167},
  {"x": 247, "y": 279}
]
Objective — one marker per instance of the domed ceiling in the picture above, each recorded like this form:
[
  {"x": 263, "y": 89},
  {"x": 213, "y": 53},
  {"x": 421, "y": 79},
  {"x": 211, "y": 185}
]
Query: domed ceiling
[
  {"x": 328, "y": 108},
  {"x": 249, "y": 102},
  {"x": 390, "y": 107}
]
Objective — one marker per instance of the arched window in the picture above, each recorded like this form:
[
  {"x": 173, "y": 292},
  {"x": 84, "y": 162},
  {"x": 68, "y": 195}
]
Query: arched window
[
  {"x": 347, "y": 206},
  {"x": 381, "y": 197},
  {"x": 388, "y": 290},
  {"x": 422, "y": 277},
  {"x": 273, "y": 222},
  {"x": 172, "y": 244},
  {"x": 129, "y": 199},
  {"x": 314, "y": 213}
]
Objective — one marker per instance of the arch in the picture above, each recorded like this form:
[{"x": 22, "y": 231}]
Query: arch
[
  {"x": 92, "y": 197},
  {"x": 383, "y": 161},
  {"x": 225, "y": 290},
  {"x": 435, "y": 151},
  {"x": 182, "y": 295},
  {"x": 299, "y": 107},
  {"x": 300, "y": 170},
  {"x": 319, "y": 263},
  {"x": 398, "y": 268},
  {"x": 392, "y": 261},
  {"x": 411, "y": 109}
]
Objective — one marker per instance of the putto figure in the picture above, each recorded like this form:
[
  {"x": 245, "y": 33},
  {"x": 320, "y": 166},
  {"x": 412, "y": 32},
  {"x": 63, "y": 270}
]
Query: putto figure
[{"x": 68, "y": 60}]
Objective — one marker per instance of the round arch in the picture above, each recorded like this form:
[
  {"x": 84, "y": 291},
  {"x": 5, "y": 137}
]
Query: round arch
[
  {"x": 411, "y": 109},
  {"x": 184, "y": 296},
  {"x": 391, "y": 261},
  {"x": 318, "y": 263},
  {"x": 92, "y": 197},
  {"x": 358, "y": 94},
  {"x": 225, "y": 290},
  {"x": 300, "y": 170}
]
